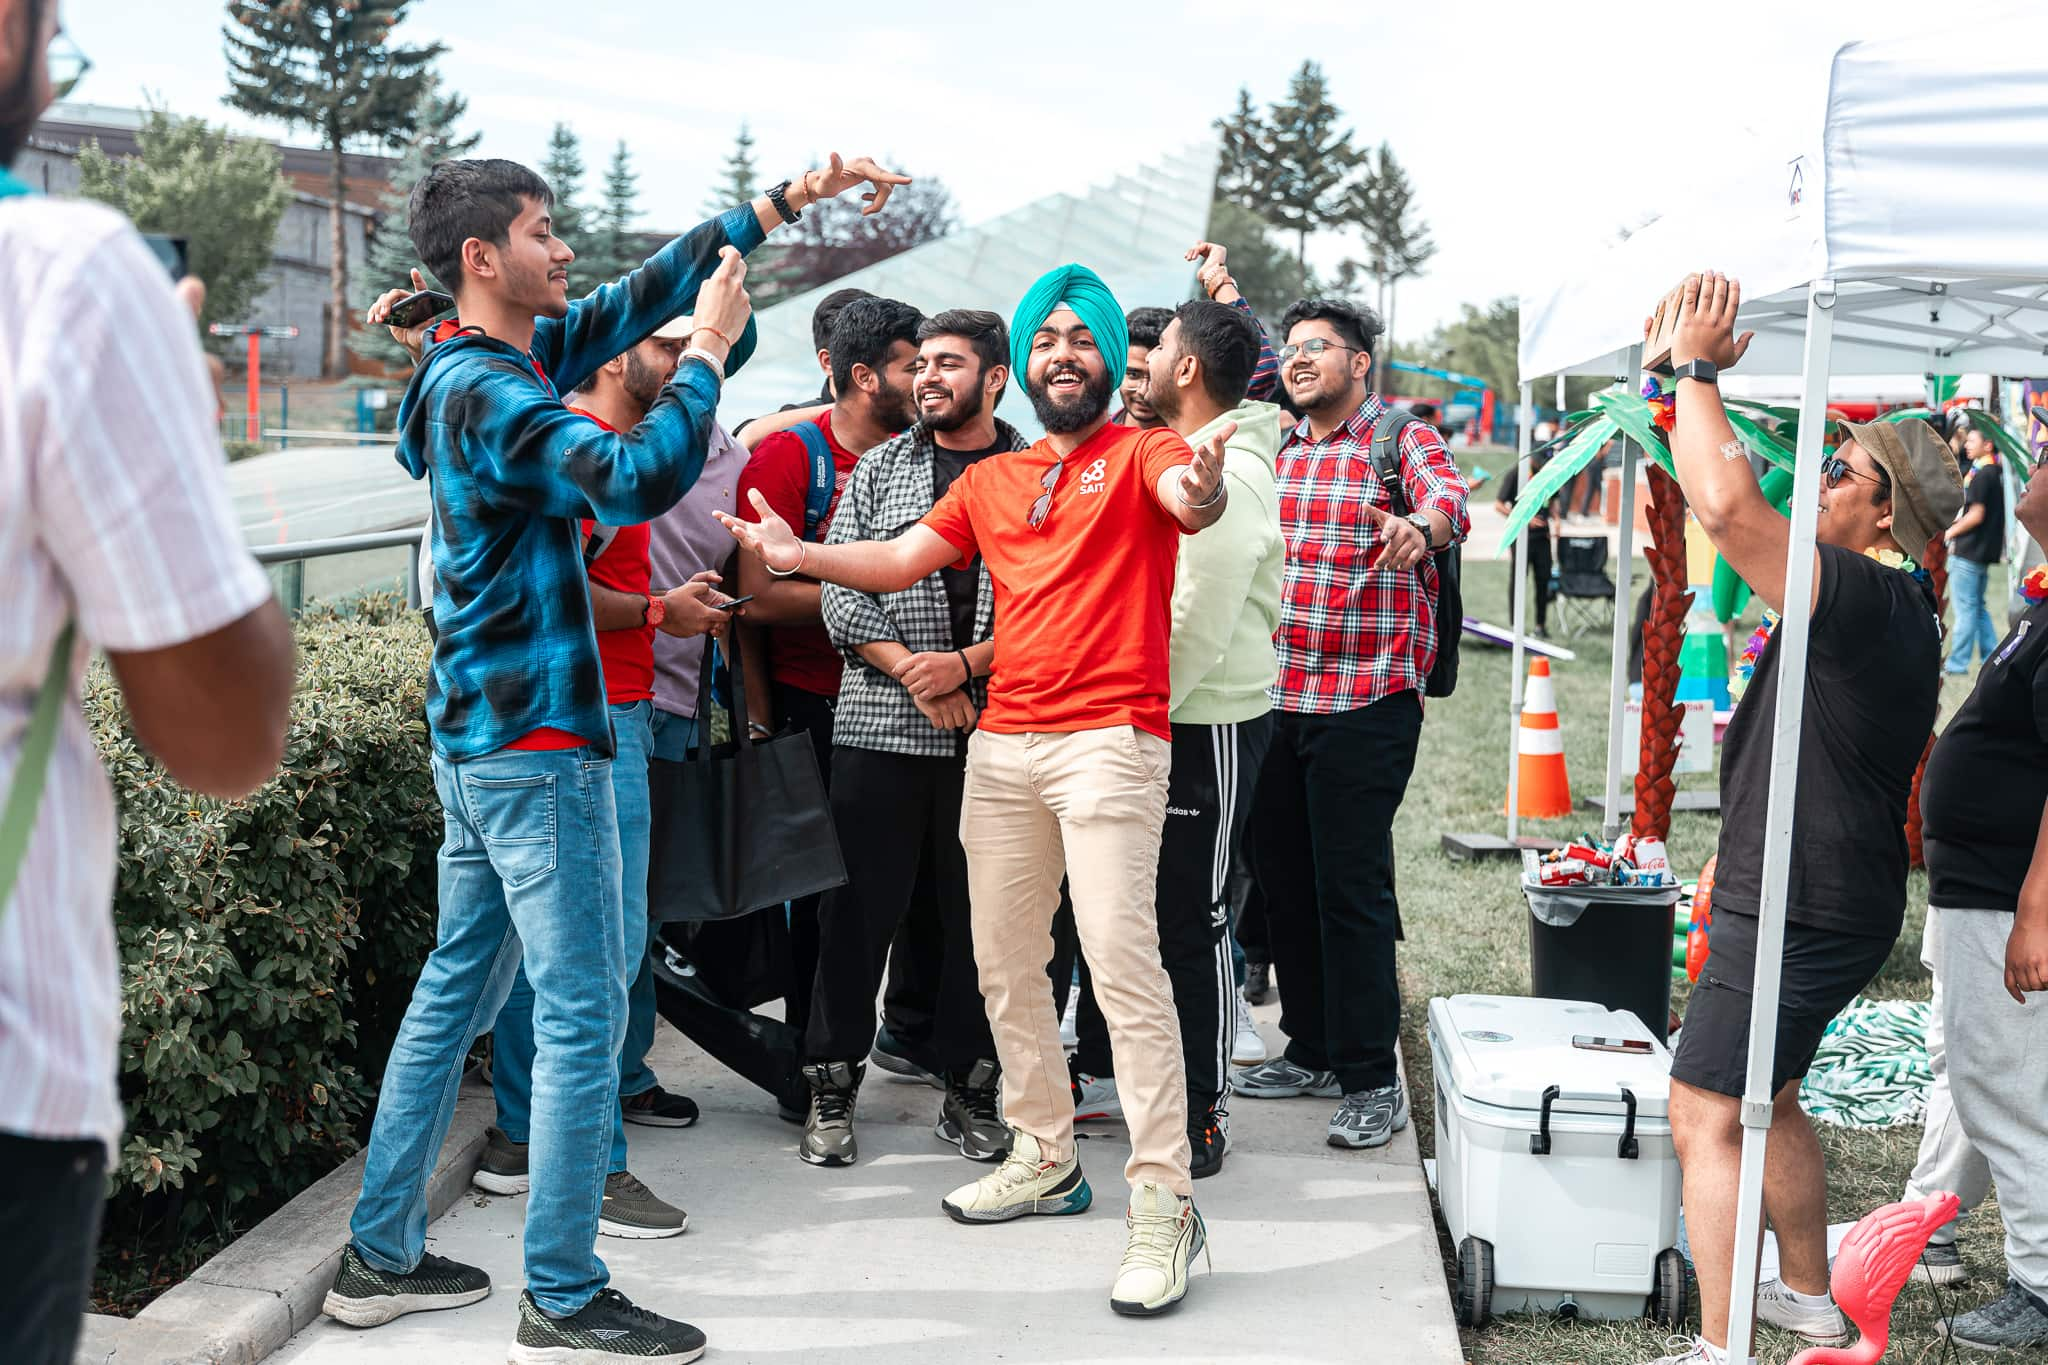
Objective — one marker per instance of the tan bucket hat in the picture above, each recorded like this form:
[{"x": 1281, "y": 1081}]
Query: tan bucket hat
[{"x": 1927, "y": 487}]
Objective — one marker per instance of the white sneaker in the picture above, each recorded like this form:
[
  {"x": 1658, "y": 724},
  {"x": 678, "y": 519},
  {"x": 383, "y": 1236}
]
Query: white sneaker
[
  {"x": 1026, "y": 1183},
  {"x": 1691, "y": 1351},
  {"x": 1070, "y": 1022},
  {"x": 1165, "y": 1232},
  {"x": 1095, "y": 1098},
  {"x": 1823, "y": 1326},
  {"x": 1247, "y": 1048}
]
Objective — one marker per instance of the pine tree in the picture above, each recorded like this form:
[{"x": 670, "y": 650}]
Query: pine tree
[
  {"x": 614, "y": 249},
  {"x": 1310, "y": 163},
  {"x": 328, "y": 65},
  {"x": 1242, "y": 170},
  {"x": 390, "y": 259},
  {"x": 742, "y": 180},
  {"x": 562, "y": 168},
  {"x": 1381, "y": 205}
]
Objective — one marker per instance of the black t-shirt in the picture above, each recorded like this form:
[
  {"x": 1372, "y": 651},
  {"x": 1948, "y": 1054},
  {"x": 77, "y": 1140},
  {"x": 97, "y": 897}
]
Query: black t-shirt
[
  {"x": 961, "y": 585},
  {"x": 1980, "y": 803},
  {"x": 1985, "y": 543},
  {"x": 1872, "y": 682}
]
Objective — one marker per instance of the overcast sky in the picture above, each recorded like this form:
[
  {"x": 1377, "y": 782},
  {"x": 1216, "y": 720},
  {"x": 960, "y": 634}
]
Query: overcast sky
[{"x": 1529, "y": 129}]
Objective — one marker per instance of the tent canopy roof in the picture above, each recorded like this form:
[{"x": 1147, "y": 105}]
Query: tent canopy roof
[{"x": 1915, "y": 189}]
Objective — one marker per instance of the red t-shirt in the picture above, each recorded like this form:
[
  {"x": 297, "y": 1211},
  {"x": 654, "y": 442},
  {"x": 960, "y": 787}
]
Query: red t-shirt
[
  {"x": 798, "y": 656},
  {"x": 627, "y": 656},
  {"x": 1083, "y": 603}
]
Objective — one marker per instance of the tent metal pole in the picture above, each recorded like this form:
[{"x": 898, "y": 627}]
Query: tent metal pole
[
  {"x": 1617, "y": 691},
  {"x": 1792, "y": 635},
  {"x": 1526, "y": 424}
]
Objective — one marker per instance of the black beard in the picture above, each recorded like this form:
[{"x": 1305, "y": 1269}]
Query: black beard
[
  {"x": 962, "y": 413},
  {"x": 1060, "y": 420}
]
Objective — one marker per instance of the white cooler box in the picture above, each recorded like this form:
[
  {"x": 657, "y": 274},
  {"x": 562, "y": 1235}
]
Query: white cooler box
[{"x": 1554, "y": 1160}]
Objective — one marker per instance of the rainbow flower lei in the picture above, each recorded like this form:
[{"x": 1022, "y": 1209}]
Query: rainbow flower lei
[
  {"x": 1663, "y": 405},
  {"x": 2035, "y": 586}
]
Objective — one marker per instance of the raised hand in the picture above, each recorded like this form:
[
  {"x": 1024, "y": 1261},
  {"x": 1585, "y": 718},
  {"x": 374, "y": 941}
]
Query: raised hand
[
  {"x": 1402, "y": 546},
  {"x": 1214, "y": 276},
  {"x": 1204, "y": 474},
  {"x": 931, "y": 674},
  {"x": 769, "y": 540},
  {"x": 722, "y": 302},
  {"x": 831, "y": 181},
  {"x": 1707, "y": 305},
  {"x": 414, "y": 339}
]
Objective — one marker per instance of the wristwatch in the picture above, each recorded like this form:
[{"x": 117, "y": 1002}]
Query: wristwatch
[
  {"x": 1703, "y": 370},
  {"x": 778, "y": 195},
  {"x": 1421, "y": 523},
  {"x": 655, "y": 612}
]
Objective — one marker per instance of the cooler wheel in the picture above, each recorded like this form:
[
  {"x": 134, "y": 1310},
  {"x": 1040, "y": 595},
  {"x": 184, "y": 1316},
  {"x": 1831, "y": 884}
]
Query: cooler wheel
[
  {"x": 1667, "y": 1301},
  {"x": 1475, "y": 1282}
]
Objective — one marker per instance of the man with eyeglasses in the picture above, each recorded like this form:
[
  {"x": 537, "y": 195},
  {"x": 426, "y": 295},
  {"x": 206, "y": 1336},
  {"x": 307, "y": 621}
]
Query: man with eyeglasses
[
  {"x": 1358, "y": 636},
  {"x": 1873, "y": 680},
  {"x": 1067, "y": 768},
  {"x": 116, "y": 534}
]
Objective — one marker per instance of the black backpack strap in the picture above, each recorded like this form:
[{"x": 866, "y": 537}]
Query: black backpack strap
[{"x": 1386, "y": 456}]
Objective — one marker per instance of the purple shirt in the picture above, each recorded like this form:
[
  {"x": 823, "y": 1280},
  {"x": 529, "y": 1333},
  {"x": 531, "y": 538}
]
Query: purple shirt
[{"x": 687, "y": 541}]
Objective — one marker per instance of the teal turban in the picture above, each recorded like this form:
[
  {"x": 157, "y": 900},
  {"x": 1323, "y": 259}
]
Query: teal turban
[{"x": 1081, "y": 289}]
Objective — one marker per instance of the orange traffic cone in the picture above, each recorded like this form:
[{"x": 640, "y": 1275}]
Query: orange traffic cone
[{"x": 1543, "y": 791}]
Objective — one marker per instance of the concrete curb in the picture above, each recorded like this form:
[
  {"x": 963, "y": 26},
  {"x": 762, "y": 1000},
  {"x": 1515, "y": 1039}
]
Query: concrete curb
[{"x": 250, "y": 1299}]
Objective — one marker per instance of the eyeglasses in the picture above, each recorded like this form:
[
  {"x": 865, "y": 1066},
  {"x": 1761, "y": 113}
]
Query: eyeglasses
[
  {"x": 1837, "y": 469},
  {"x": 67, "y": 65},
  {"x": 1043, "y": 506},
  {"x": 1315, "y": 346}
]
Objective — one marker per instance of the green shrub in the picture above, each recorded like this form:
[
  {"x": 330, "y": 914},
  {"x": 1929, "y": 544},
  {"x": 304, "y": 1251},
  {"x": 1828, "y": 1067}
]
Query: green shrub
[{"x": 269, "y": 945}]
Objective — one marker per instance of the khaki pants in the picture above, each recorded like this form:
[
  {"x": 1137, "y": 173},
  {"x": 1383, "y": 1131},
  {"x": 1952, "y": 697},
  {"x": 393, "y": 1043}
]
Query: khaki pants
[{"x": 1089, "y": 804}]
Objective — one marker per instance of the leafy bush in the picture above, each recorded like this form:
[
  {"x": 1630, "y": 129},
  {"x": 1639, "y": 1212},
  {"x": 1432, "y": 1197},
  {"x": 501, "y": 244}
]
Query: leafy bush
[{"x": 269, "y": 945}]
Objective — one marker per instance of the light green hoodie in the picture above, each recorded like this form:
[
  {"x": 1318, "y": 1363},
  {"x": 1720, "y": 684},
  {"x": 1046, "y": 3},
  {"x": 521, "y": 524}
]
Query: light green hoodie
[{"x": 1226, "y": 586}]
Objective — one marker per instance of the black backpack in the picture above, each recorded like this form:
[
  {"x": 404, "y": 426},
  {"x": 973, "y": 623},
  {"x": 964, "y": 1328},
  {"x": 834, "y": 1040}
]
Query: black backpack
[{"x": 1450, "y": 596}]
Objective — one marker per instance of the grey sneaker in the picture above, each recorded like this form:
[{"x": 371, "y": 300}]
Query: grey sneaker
[
  {"x": 1941, "y": 1263},
  {"x": 608, "y": 1330},
  {"x": 364, "y": 1296},
  {"x": 504, "y": 1166},
  {"x": 969, "y": 1120},
  {"x": 1280, "y": 1079},
  {"x": 828, "y": 1127},
  {"x": 2016, "y": 1318},
  {"x": 630, "y": 1209},
  {"x": 1370, "y": 1118}
]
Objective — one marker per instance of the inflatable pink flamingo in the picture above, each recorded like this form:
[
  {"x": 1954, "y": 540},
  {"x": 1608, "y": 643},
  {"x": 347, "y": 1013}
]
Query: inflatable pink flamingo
[{"x": 1870, "y": 1269}]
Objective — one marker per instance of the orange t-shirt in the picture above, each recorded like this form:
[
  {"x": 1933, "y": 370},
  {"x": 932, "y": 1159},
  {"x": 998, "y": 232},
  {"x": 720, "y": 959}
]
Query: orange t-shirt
[{"x": 1083, "y": 603}]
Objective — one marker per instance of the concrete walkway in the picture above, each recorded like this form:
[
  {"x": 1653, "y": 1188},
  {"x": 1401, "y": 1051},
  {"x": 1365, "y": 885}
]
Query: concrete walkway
[{"x": 1318, "y": 1255}]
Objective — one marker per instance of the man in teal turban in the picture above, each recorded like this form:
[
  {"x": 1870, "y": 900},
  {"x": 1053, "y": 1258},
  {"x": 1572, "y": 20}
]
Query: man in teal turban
[{"x": 1066, "y": 407}]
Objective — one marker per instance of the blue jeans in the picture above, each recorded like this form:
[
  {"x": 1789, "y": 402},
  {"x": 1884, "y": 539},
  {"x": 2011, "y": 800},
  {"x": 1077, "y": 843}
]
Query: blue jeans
[
  {"x": 512, "y": 1039},
  {"x": 673, "y": 737},
  {"x": 529, "y": 864},
  {"x": 1973, "y": 630}
]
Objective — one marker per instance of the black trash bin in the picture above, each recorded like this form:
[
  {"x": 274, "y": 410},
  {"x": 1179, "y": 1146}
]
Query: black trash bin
[{"x": 1607, "y": 944}]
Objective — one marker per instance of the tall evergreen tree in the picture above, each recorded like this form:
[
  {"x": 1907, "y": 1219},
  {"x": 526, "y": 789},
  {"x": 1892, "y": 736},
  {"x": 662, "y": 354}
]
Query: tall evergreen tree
[
  {"x": 562, "y": 168},
  {"x": 741, "y": 180},
  {"x": 1310, "y": 160},
  {"x": 613, "y": 247},
  {"x": 331, "y": 66},
  {"x": 390, "y": 260},
  {"x": 1381, "y": 205},
  {"x": 1243, "y": 169}
]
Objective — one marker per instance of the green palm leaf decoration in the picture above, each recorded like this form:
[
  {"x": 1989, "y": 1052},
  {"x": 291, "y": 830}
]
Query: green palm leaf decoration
[
  {"x": 1577, "y": 453},
  {"x": 1632, "y": 415},
  {"x": 1759, "y": 441}
]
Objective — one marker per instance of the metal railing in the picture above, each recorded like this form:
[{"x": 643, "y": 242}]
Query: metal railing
[
  {"x": 292, "y": 555},
  {"x": 382, "y": 438}
]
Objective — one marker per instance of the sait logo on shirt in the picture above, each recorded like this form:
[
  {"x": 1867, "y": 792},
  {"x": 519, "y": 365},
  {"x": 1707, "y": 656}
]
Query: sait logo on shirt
[{"x": 1093, "y": 475}]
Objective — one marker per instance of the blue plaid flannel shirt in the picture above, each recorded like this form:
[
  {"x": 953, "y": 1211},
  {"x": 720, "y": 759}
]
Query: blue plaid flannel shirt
[{"x": 514, "y": 471}]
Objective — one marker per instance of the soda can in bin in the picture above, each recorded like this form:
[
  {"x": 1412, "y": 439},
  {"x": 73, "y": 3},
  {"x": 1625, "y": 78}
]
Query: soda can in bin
[
  {"x": 1592, "y": 855},
  {"x": 1640, "y": 876},
  {"x": 1651, "y": 857},
  {"x": 1565, "y": 872}
]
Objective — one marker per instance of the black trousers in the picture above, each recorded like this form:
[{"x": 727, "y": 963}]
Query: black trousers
[
  {"x": 898, "y": 818},
  {"x": 1322, "y": 848},
  {"x": 1249, "y": 926},
  {"x": 811, "y": 713},
  {"x": 1539, "y": 568},
  {"x": 910, "y": 1003},
  {"x": 1208, "y": 804},
  {"x": 52, "y": 1191}
]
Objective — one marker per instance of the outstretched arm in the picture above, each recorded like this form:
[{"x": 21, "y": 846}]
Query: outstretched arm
[
  {"x": 873, "y": 566},
  {"x": 1193, "y": 494}
]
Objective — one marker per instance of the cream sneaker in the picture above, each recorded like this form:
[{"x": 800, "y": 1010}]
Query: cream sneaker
[
  {"x": 1025, "y": 1183},
  {"x": 1823, "y": 1326},
  {"x": 1165, "y": 1234}
]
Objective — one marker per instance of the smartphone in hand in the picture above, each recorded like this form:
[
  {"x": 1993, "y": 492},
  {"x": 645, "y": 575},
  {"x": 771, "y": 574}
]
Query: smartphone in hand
[
  {"x": 734, "y": 603},
  {"x": 416, "y": 308}
]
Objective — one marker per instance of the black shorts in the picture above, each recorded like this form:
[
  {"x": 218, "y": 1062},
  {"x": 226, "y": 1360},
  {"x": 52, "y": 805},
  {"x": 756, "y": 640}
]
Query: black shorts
[{"x": 1823, "y": 971}]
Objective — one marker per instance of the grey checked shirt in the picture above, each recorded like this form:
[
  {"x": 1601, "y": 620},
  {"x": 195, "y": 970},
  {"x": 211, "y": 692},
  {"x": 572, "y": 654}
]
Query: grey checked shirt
[{"x": 890, "y": 492}]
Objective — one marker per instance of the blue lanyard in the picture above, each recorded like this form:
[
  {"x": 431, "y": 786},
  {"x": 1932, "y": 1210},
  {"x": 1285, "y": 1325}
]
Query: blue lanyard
[{"x": 9, "y": 185}]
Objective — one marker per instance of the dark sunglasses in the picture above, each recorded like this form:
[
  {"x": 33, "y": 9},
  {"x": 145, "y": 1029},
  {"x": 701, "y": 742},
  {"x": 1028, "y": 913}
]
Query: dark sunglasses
[
  {"x": 1837, "y": 469},
  {"x": 1042, "y": 508}
]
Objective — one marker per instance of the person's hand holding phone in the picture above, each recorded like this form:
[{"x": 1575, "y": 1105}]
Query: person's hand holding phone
[
  {"x": 698, "y": 608},
  {"x": 414, "y": 339}
]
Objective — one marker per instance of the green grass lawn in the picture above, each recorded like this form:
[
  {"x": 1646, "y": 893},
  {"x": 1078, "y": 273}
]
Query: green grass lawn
[{"x": 1465, "y": 925}]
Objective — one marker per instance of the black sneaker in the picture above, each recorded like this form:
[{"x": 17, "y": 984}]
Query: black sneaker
[
  {"x": 888, "y": 1054},
  {"x": 608, "y": 1330},
  {"x": 657, "y": 1108},
  {"x": 1208, "y": 1140},
  {"x": 1258, "y": 982},
  {"x": 2017, "y": 1319},
  {"x": 969, "y": 1119},
  {"x": 364, "y": 1296},
  {"x": 503, "y": 1169}
]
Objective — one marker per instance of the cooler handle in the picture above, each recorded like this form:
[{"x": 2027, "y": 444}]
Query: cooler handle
[{"x": 1627, "y": 1149}]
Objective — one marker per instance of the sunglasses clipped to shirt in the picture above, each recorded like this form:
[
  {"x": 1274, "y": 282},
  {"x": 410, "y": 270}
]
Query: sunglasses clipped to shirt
[{"x": 1041, "y": 508}]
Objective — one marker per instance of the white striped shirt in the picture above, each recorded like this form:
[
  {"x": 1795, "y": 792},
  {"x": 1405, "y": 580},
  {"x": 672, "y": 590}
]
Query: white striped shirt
[{"x": 113, "y": 512}]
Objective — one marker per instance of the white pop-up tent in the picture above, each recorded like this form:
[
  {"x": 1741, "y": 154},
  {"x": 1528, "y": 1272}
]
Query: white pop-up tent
[{"x": 1904, "y": 227}]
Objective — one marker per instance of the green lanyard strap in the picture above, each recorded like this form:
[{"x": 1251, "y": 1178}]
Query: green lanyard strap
[{"x": 18, "y": 820}]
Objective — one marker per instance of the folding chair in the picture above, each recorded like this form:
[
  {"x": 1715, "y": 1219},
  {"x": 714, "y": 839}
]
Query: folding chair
[{"x": 1585, "y": 593}]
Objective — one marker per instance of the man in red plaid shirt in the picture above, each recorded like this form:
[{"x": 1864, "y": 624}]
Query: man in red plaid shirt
[{"x": 1358, "y": 636}]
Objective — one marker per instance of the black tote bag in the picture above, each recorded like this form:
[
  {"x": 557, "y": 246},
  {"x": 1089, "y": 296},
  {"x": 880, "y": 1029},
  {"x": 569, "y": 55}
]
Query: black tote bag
[{"x": 738, "y": 826}]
